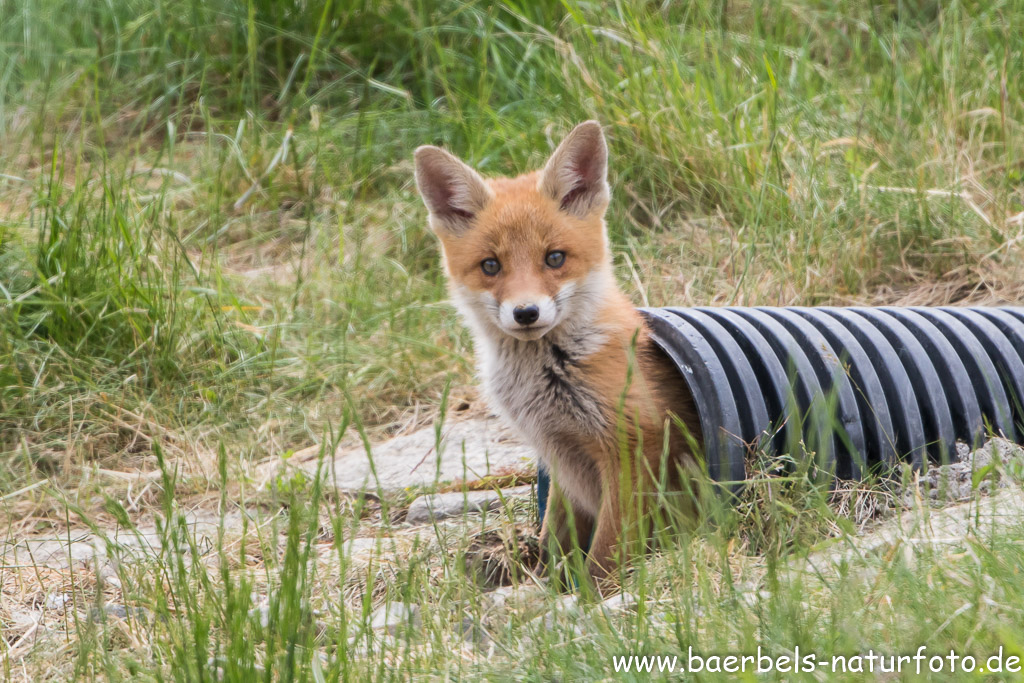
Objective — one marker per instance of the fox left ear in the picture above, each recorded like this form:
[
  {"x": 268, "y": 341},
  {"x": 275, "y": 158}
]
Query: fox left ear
[{"x": 576, "y": 175}]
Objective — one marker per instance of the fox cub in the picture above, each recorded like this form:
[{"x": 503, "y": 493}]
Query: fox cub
[{"x": 563, "y": 355}]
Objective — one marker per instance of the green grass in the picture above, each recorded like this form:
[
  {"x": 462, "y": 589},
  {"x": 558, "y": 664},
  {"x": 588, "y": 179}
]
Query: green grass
[{"x": 807, "y": 151}]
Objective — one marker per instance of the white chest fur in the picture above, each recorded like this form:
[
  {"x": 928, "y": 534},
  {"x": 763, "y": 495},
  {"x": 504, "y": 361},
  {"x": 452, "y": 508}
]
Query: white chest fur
[{"x": 541, "y": 389}]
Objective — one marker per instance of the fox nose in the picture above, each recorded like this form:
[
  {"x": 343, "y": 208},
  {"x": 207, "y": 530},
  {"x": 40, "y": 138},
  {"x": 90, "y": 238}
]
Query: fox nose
[{"x": 526, "y": 315}]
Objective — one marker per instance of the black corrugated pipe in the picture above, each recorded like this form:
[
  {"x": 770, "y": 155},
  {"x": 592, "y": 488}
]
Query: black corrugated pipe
[{"x": 859, "y": 387}]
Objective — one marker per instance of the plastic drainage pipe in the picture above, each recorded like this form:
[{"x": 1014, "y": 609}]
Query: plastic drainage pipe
[{"x": 853, "y": 388}]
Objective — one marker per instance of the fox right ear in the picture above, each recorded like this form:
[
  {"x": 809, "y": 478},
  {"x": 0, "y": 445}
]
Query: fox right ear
[
  {"x": 576, "y": 175},
  {"x": 453, "y": 192}
]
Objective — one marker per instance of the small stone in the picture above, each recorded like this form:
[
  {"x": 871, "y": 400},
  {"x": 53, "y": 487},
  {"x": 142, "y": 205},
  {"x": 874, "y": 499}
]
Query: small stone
[
  {"x": 956, "y": 481},
  {"x": 440, "y": 506},
  {"x": 217, "y": 665},
  {"x": 753, "y": 598},
  {"x": 118, "y": 611},
  {"x": 568, "y": 603},
  {"x": 621, "y": 602},
  {"x": 474, "y": 633},
  {"x": 551, "y": 622},
  {"x": 262, "y": 613},
  {"x": 359, "y": 545},
  {"x": 525, "y": 594},
  {"x": 57, "y": 602},
  {"x": 108, "y": 575},
  {"x": 392, "y": 616}
]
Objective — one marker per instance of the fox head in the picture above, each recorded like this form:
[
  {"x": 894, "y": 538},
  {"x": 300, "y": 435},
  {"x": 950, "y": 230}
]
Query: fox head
[{"x": 523, "y": 255}]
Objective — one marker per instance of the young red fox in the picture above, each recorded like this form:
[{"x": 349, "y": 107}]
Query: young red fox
[{"x": 530, "y": 271}]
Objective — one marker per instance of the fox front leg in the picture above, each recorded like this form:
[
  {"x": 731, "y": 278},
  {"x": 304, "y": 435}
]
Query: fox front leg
[
  {"x": 603, "y": 558},
  {"x": 562, "y": 522}
]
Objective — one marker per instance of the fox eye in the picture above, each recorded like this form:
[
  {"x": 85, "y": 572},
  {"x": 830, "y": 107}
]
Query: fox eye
[
  {"x": 555, "y": 259},
  {"x": 490, "y": 266}
]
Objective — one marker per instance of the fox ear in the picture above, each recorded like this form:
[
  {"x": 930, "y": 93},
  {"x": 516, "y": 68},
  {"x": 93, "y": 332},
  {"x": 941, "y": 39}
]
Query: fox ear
[
  {"x": 453, "y": 192},
  {"x": 576, "y": 175}
]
